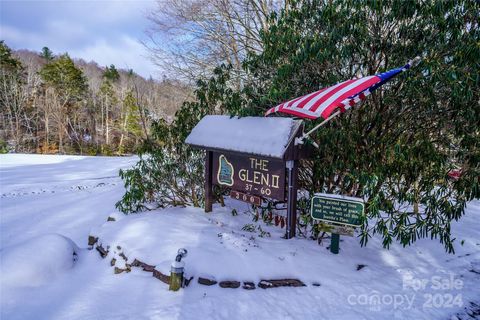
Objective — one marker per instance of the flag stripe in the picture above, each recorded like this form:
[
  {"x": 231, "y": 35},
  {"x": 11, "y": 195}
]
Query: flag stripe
[
  {"x": 319, "y": 99},
  {"x": 329, "y": 106},
  {"x": 294, "y": 103},
  {"x": 303, "y": 99},
  {"x": 348, "y": 91}
]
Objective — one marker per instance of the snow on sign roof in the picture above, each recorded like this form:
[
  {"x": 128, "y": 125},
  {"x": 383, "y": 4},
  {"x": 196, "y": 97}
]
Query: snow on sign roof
[{"x": 256, "y": 135}]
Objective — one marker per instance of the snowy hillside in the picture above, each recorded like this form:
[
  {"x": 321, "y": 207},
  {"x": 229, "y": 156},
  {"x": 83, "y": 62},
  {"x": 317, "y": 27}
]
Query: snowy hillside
[{"x": 48, "y": 200}]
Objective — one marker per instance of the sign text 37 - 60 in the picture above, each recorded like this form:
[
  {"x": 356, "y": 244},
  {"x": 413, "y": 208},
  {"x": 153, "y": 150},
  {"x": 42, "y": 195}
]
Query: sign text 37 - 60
[{"x": 250, "y": 174}]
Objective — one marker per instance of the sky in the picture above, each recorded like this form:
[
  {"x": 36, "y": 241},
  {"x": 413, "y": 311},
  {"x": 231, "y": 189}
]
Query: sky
[{"x": 106, "y": 31}]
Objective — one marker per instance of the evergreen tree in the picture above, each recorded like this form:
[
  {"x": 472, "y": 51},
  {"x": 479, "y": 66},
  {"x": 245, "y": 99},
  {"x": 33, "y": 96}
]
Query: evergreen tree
[
  {"x": 111, "y": 73},
  {"x": 68, "y": 80},
  {"x": 66, "y": 86},
  {"x": 396, "y": 150},
  {"x": 132, "y": 115},
  {"x": 131, "y": 127},
  {"x": 47, "y": 54},
  {"x": 7, "y": 61},
  {"x": 109, "y": 101}
]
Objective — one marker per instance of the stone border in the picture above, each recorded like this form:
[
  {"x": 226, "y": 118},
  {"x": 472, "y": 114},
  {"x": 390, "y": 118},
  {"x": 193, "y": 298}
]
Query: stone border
[{"x": 233, "y": 284}]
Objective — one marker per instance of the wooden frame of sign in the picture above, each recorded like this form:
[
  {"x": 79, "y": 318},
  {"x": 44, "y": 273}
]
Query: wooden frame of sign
[{"x": 252, "y": 177}]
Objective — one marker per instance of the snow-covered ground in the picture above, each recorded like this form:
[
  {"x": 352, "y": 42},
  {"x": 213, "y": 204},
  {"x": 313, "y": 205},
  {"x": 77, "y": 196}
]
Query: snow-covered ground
[
  {"x": 42, "y": 194},
  {"x": 47, "y": 200}
]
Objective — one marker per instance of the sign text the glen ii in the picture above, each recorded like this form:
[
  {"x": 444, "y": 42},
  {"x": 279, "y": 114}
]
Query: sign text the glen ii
[{"x": 250, "y": 174}]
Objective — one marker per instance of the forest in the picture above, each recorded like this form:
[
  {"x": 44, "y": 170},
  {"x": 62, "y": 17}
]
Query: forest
[{"x": 52, "y": 103}]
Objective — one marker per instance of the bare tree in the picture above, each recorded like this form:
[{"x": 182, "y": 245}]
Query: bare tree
[
  {"x": 190, "y": 38},
  {"x": 18, "y": 85}
]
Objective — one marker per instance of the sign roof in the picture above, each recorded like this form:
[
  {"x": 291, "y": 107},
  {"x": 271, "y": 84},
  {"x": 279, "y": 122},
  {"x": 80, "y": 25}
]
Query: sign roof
[{"x": 269, "y": 137}]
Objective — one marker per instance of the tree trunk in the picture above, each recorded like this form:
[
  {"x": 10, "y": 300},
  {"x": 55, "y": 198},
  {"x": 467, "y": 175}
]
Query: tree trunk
[
  {"x": 106, "y": 123},
  {"x": 120, "y": 144}
]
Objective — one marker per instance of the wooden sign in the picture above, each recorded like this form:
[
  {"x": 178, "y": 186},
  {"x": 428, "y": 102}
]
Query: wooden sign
[
  {"x": 251, "y": 175},
  {"x": 253, "y": 156},
  {"x": 246, "y": 197},
  {"x": 339, "y": 211}
]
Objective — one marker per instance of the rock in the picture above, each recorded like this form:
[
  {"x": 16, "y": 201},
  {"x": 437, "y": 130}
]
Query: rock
[
  {"x": 248, "y": 286},
  {"x": 112, "y": 262},
  {"x": 92, "y": 240},
  {"x": 229, "y": 284},
  {"x": 160, "y": 276},
  {"x": 316, "y": 284},
  {"x": 361, "y": 266},
  {"x": 122, "y": 255},
  {"x": 102, "y": 251},
  {"x": 148, "y": 268},
  {"x": 265, "y": 284},
  {"x": 206, "y": 282},
  {"x": 118, "y": 270},
  {"x": 138, "y": 263},
  {"x": 111, "y": 219}
]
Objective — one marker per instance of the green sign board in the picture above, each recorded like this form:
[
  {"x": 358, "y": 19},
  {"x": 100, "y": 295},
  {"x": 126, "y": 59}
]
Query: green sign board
[{"x": 343, "y": 211}]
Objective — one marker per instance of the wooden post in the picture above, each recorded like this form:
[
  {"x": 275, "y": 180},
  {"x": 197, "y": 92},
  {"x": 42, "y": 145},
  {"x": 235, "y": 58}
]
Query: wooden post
[
  {"x": 292, "y": 166},
  {"x": 208, "y": 181}
]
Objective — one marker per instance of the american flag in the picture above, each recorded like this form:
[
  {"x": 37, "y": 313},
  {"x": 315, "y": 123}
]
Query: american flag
[{"x": 343, "y": 96}]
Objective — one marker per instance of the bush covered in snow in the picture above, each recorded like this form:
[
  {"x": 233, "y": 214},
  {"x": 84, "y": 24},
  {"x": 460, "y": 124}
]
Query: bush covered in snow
[
  {"x": 37, "y": 261},
  {"x": 169, "y": 172}
]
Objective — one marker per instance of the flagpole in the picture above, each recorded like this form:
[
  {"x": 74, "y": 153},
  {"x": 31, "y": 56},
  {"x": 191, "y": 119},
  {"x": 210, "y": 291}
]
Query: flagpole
[{"x": 306, "y": 135}]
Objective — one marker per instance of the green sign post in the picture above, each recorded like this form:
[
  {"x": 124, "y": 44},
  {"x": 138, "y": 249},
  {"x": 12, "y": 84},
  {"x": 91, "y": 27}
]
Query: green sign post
[{"x": 340, "y": 211}]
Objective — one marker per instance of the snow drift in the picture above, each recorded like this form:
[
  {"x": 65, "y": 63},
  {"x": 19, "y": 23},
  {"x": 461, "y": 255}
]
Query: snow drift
[{"x": 36, "y": 261}]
